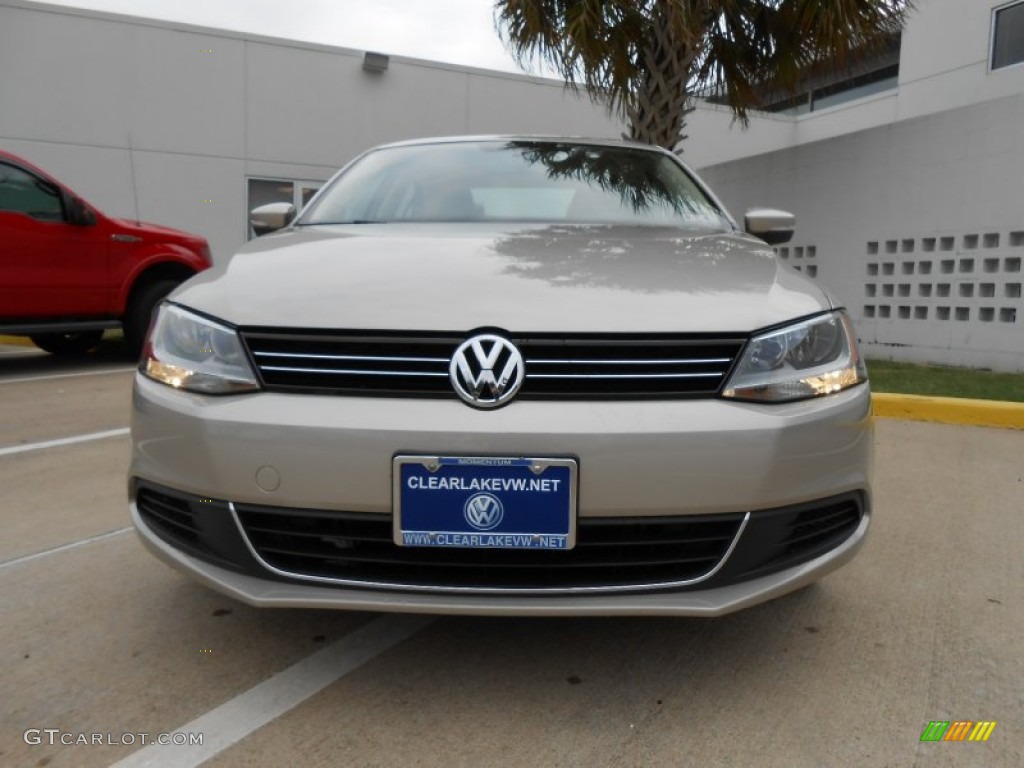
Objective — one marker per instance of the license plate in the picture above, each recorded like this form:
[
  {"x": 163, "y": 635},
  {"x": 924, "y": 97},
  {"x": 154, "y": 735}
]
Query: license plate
[{"x": 484, "y": 502}]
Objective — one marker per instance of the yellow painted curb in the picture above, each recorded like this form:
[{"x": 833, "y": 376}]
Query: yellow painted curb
[
  {"x": 949, "y": 410},
  {"x": 18, "y": 341}
]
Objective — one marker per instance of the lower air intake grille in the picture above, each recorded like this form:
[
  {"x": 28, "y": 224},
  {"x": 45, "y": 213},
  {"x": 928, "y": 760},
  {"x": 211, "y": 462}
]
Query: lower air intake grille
[
  {"x": 618, "y": 552},
  {"x": 814, "y": 531},
  {"x": 200, "y": 527},
  {"x": 171, "y": 516},
  {"x": 776, "y": 539}
]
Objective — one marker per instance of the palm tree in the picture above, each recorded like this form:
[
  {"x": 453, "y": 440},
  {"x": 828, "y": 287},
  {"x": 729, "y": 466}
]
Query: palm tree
[{"x": 645, "y": 59}]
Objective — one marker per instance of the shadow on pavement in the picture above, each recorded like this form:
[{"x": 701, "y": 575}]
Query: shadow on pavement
[{"x": 21, "y": 360}]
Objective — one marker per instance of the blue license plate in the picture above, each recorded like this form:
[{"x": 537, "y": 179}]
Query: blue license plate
[{"x": 484, "y": 502}]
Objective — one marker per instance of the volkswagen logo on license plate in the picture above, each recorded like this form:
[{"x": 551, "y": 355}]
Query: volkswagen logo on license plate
[
  {"x": 483, "y": 511},
  {"x": 486, "y": 371}
]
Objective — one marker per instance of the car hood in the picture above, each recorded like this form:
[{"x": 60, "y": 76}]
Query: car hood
[
  {"x": 446, "y": 277},
  {"x": 157, "y": 232}
]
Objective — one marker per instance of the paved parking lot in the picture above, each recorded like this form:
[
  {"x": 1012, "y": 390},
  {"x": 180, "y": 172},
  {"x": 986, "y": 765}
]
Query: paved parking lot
[{"x": 98, "y": 637}]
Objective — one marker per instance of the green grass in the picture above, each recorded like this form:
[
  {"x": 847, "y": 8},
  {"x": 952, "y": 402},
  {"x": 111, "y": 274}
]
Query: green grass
[{"x": 941, "y": 381}]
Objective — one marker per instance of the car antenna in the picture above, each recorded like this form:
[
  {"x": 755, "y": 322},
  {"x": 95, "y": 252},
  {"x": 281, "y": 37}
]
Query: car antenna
[{"x": 135, "y": 188}]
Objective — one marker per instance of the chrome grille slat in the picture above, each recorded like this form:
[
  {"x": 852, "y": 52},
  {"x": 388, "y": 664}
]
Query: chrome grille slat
[
  {"x": 350, "y": 371},
  {"x": 658, "y": 361},
  {"x": 620, "y": 375},
  {"x": 557, "y": 366},
  {"x": 355, "y": 357}
]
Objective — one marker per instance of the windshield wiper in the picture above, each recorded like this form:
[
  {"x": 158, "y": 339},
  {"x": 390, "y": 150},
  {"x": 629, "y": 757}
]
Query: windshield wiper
[{"x": 353, "y": 221}]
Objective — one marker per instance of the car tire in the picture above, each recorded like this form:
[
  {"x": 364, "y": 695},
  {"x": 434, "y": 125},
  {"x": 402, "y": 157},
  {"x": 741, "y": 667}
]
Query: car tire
[
  {"x": 140, "y": 312},
  {"x": 68, "y": 344}
]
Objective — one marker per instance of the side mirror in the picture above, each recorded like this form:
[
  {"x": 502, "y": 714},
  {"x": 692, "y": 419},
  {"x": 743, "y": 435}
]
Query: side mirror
[
  {"x": 79, "y": 213},
  {"x": 770, "y": 225},
  {"x": 271, "y": 217}
]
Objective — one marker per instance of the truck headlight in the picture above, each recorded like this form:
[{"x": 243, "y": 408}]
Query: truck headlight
[
  {"x": 807, "y": 359},
  {"x": 190, "y": 352}
]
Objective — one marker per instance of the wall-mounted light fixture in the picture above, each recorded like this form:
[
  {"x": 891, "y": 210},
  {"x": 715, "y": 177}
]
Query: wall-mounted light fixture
[{"x": 375, "y": 62}]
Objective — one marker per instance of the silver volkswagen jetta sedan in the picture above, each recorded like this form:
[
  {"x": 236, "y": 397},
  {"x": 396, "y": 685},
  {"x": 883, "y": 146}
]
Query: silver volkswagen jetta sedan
[{"x": 504, "y": 375}]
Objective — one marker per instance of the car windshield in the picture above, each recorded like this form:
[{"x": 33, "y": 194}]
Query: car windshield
[{"x": 530, "y": 181}]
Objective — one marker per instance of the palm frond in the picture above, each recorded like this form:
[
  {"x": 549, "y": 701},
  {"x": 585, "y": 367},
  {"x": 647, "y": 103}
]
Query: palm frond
[{"x": 644, "y": 59}]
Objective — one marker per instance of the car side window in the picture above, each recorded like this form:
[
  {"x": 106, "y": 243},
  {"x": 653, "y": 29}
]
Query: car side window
[{"x": 22, "y": 192}]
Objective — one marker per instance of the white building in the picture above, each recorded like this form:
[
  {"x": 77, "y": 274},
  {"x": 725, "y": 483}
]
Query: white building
[
  {"x": 906, "y": 184},
  {"x": 191, "y": 127},
  {"x": 909, "y": 201}
]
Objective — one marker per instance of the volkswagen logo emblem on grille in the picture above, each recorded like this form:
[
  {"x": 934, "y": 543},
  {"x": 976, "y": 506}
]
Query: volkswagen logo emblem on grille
[
  {"x": 483, "y": 511},
  {"x": 486, "y": 371}
]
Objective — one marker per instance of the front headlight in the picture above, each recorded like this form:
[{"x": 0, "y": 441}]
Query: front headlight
[
  {"x": 808, "y": 359},
  {"x": 186, "y": 351}
]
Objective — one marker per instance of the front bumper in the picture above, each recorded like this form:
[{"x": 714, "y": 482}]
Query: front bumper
[{"x": 637, "y": 460}]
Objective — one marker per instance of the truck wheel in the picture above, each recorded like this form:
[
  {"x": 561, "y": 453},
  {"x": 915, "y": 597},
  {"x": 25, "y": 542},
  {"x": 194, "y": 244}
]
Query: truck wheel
[
  {"x": 140, "y": 312},
  {"x": 68, "y": 344}
]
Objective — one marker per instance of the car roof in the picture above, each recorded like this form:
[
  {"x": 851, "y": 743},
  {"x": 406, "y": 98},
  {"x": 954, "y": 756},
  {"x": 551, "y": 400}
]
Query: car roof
[
  {"x": 543, "y": 138},
  {"x": 4, "y": 155},
  {"x": 10, "y": 157}
]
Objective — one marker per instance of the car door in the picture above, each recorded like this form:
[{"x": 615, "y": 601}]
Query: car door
[{"x": 48, "y": 266}]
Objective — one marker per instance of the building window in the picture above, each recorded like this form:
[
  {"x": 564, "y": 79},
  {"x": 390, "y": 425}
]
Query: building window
[
  {"x": 1008, "y": 36},
  {"x": 827, "y": 84},
  {"x": 263, "y": 191}
]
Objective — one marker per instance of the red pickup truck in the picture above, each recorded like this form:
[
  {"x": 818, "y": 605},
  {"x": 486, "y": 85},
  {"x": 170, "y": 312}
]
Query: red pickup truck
[{"x": 67, "y": 272}]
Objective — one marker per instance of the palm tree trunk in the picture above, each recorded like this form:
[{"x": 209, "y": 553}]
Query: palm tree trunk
[{"x": 657, "y": 110}]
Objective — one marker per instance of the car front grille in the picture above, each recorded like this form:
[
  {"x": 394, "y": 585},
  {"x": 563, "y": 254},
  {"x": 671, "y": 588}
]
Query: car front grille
[
  {"x": 610, "y": 552},
  {"x": 557, "y": 366}
]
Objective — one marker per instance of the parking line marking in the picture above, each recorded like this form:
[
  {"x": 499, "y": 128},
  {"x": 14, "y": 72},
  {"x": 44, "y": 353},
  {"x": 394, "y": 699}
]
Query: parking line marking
[
  {"x": 64, "y": 547},
  {"x": 232, "y": 721},
  {"x": 24, "y": 379},
  {"x": 63, "y": 441}
]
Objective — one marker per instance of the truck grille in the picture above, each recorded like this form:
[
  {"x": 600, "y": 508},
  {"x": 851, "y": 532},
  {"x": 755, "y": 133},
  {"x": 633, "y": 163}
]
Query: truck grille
[{"x": 557, "y": 367}]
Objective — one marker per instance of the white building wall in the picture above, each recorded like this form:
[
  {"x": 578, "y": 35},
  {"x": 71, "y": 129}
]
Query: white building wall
[
  {"x": 908, "y": 202},
  {"x": 917, "y": 227},
  {"x": 165, "y": 122},
  {"x": 944, "y": 64}
]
